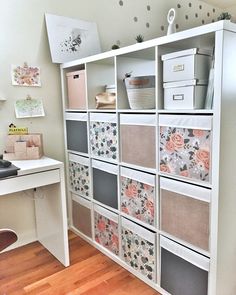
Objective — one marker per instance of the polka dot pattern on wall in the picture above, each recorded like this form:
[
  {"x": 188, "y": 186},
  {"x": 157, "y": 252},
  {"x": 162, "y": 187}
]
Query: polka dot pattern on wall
[{"x": 189, "y": 12}]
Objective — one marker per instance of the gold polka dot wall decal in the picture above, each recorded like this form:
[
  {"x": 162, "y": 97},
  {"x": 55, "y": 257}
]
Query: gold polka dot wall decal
[
  {"x": 196, "y": 15},
  {"x": 178, "y": 6},
  {"x": 214, "y": 10},
  {"x": 121, "y": 3},
  {"x": 148, "y": 7},
  {"x": 186, "y": 17},
  {"x": 135, "y": 19},
  {"x": 208, "y": 14},
  {"x": 162, "y": 28},
  {"x": 147, "y": 25},
  {"x": 190, "y": 4},
  {"x": 177, "y": 26},
  {"x": 200, "y": 6},
  {"x": 203, "y": 22}
]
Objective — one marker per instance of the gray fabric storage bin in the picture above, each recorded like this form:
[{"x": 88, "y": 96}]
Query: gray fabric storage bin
[
  {"x": 184, "y": 272},
  {"x": 105, "y": 183},
  {"x": 76, "y": 130}
]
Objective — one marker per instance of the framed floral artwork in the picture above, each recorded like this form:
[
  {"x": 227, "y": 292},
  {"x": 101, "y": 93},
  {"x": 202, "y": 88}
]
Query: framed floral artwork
[
  {"x": 25, "y": 75},
  {"x": 70, "y": 38}
]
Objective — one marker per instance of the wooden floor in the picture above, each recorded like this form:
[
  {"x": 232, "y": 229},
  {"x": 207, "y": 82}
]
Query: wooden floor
[{"x": 31, "y": 269}]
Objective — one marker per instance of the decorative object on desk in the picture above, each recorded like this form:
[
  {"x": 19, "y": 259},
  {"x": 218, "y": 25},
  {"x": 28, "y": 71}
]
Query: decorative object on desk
[
  {"x": 7, "y": 168},
  {"x": 105, "y": 100},
  {"x": 17, "y": 130},
  {"x": 24, "y": 147},
  {"x": 25, "y": 75},
  {"x": 171, "y": 18},
  {"x": 224, "y": 15},
  {"x": 70, "y": 38},
  {"x": 4, "y": 163},
  {"x": 139, "y": 38},
  {"x": 29, "y": 107},
  {"x": 141, "y": 92}
]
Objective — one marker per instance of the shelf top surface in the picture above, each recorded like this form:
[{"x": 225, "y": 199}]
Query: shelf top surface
[{"x": 190, "y": 33}]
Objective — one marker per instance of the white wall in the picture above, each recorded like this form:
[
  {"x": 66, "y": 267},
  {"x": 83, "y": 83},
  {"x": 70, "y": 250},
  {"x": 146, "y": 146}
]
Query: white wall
[{"x": 23, "y": 38}]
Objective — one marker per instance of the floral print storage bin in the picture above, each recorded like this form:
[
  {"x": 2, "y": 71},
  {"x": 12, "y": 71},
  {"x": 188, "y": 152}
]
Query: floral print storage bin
[
  {"x": 139, "y": 248},
  {"x": 76, "y": 132},
  {"x": 106, "y": 229},
  {"x": 79, "y": 175},
  {"x": 105, "y": 182},
  {"x": 138, "y": 139},
  {"x": 185, "y": 146},
  {"x": 138, "y": 195},
  {"x": 185, "y": 212},
  {"x": 81, "y": 215},
  {"x": 103, "y": 136},
  {"x": 183, "y": 271}
]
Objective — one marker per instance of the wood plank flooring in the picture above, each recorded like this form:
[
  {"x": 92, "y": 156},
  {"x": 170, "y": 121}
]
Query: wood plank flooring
[{"x": 31, "y": 269}]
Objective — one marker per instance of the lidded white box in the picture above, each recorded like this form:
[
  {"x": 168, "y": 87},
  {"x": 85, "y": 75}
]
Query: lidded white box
[
  {"x": 189, "y": 94},
  {"x": 186, "y": 65}
]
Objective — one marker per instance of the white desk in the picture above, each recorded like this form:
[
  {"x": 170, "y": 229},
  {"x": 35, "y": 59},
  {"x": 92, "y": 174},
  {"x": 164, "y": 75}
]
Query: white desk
[{"x": 50, "y": 206}]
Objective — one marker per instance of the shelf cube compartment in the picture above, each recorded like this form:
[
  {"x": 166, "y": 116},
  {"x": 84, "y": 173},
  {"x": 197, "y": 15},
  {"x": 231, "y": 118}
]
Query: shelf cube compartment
[
  {"x": 187, "y": 64},
  {"x": 76, "y": 90},
  {"x": 138, "y": 195},
  {"x": 185, "y": 146},
  {"x": 106, "y": 229},
  {"x": 139, "y": 248},
  {"x": 185, "y": 212},
  {"x": 81, "y": 215},
  {"x": 103, "y": 136},
  {"x": 76, "y": 130},
  {"x": 105, "y": 183},
  {"x": 138, "y": 139},
  {"x": 79, "y": 175},
  {"x": 183, "y": 271}
]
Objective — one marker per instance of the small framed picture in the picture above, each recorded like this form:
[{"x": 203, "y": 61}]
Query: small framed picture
[{"x": 25, "y": 75}]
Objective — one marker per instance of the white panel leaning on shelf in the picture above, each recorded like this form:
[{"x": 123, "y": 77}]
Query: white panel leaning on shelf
[{"x": 174, "y": 160}]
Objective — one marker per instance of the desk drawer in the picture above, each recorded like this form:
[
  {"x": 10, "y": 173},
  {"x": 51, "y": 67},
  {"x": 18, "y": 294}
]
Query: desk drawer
[{"x": 24, "y": 182}]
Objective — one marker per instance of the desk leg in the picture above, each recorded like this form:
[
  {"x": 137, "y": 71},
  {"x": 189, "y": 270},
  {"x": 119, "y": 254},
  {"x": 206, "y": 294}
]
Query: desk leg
[{"x": 51, "y": 219}]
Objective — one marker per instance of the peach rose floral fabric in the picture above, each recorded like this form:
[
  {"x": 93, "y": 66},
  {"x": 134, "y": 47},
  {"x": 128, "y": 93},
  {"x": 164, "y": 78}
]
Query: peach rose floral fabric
[
  {"x": 106, "y": 233},
  {"x": 137, "y": 199},
  {"x": 185, "y": 152}
]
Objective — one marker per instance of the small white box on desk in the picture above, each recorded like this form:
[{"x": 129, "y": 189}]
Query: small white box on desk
[
  {"x": 186, "y": 65},
  {"x": 190, "y": 94}
]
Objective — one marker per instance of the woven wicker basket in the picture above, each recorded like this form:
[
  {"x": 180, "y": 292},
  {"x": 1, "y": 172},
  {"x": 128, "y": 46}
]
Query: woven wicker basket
[{"x": 141, "y": 92}]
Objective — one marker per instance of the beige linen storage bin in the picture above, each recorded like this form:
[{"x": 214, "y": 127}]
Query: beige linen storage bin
[
  {"x": 190, "y": 94},
  {"x": 185, "y": 212},
  {"x": 76, "y": 90},
  {"x": 186, "y": 65},
  {"x": 138, "y": 139},
  {"x": 81, "y": 215}
]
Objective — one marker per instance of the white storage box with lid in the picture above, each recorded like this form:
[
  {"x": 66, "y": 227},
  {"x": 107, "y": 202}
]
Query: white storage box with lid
[
  {"x": 76, "y": 90},
  {"x": 186, "y": 65},
  {"x": 189, "y": 94}
]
